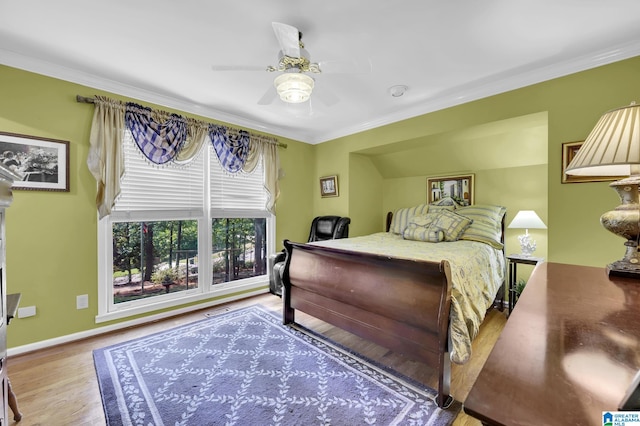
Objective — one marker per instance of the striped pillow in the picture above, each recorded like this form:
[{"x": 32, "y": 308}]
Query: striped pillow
[
  {"x": 486, "y": 226},
  {"x": 433, "y": 208},
  {"x": 420, "y": 229},
  {"x": 452, "y": 224},
  {"x": 401, "y": 217},
  {"x": 428, "y": 234}
]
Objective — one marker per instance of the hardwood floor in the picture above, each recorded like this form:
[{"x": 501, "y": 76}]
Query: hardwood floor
[{"x": 58, "y": 386}]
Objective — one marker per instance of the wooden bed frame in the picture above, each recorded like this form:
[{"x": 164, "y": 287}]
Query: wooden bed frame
[{"x": 400, "y": 304}]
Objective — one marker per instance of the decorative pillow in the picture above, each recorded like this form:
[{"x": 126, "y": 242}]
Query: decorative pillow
[
  {"x": 486, "y": 226},
  {"x": 484, "y": 233},
  {"x": 423, "y": 219},
  {"x": 429, "y": 233},
  {"x": 433, "y": 208},
  {"x": 401, "y": 217},
  {"x": 447, "y": 201},
  {"x": 484, "y": 213},
  {"x": 452, "y": 224}
]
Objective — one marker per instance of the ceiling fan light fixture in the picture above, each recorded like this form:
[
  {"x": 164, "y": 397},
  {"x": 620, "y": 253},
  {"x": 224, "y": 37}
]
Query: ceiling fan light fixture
[{"x": 294, "y": 88}]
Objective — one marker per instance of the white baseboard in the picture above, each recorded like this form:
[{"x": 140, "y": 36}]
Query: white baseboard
[{"x": 19, "y": 350}]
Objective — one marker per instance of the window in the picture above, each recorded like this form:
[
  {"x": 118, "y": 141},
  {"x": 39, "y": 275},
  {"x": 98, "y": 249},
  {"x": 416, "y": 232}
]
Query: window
[
  {"x": 153, "y": 258},
  {"x": 180, "y": 233}
]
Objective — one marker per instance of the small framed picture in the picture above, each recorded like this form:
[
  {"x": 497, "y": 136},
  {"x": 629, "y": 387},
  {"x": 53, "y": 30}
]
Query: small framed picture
[
  {"x": 458, "y": 188},
  {"x": 569, "y": 150},
  {"x": 329, "y": 186},
  {"x": 41, "y": 163}
]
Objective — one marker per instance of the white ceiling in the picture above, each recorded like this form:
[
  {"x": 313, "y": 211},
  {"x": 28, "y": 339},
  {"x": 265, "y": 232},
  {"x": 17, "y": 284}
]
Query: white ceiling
[{"x": 446, "y": 52}]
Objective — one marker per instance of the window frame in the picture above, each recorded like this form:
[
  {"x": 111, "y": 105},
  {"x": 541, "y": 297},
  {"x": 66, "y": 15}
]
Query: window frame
[{"x": 206, "y": 291}]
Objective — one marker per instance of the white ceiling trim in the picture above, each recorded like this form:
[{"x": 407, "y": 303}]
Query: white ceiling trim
[{"x": 470, "y": 92}]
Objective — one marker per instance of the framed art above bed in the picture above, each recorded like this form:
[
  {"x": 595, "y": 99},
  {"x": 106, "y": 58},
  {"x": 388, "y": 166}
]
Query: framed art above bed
[{"x": 459, "y": 188}]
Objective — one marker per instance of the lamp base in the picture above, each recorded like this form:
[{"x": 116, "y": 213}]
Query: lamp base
[
  {"x": 527, "y": 245},
  {"x": 623, "y": 269},
  {"x": 625, "y": 222},
  {"x": 629, "y": 266}
]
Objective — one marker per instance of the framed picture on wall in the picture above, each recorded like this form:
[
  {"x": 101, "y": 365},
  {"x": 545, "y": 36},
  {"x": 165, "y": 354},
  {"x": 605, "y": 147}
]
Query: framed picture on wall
[
  {"x": 569, "y": 150},
  {"x": 459, "y": 188},
  {"x": 329, "y": 186},
  {"x": 41, "y": 163}
]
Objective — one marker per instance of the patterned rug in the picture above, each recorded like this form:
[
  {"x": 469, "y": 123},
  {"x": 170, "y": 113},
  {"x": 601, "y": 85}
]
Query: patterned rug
[{"x": 245, "y": 368}]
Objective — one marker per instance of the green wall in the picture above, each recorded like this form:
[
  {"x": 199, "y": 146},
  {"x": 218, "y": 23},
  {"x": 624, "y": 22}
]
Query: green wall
[
  {"x": 569, "y": 106},
  {"x": 51, "y": 237}
]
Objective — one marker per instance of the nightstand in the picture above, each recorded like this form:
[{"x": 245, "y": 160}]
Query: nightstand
[{"x": 513, "y": 260}]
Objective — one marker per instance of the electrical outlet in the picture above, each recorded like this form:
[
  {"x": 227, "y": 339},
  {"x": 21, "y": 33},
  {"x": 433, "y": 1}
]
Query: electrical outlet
[
  {"x": 82, "y": 301},
  {"x": 27, "y": 311}
]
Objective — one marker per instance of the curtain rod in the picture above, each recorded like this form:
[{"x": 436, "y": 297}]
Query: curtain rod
[{"x": 86, "y": 100}]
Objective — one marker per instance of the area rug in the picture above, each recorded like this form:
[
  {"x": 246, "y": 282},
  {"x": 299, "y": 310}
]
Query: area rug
[{"x": 245, "y": 368}]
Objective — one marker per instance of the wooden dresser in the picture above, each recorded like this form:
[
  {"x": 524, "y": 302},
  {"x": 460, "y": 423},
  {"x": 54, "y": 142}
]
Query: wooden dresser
[
  {"x": 6, "y": 180},
  {"x": 568, "y": 352}
]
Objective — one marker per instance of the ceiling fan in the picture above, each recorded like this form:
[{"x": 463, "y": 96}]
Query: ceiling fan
[{"x": 293, "y": 85}]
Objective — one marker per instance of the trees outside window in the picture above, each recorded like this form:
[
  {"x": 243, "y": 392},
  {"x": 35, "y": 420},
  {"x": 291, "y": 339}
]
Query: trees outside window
[{"x": 180, "y": 233}]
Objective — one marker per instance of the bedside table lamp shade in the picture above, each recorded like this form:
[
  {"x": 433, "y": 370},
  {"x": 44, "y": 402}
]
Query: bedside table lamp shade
[
  {"x": 613, "y": 149},
  {"x": 527, "y": 219}
]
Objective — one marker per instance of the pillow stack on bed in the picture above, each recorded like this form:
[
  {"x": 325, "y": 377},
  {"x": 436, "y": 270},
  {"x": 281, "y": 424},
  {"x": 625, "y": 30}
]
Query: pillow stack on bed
[{"x": 435, "y": 223}]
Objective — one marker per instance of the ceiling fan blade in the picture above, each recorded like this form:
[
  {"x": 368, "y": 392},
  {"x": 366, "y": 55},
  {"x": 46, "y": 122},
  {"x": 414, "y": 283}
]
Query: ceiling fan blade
[
  {"x": 352, "y": 66},
  {"x": 238, "y": 68},
  {"x": 289, "y": 39},
  {"x": 268, "y": 96}
]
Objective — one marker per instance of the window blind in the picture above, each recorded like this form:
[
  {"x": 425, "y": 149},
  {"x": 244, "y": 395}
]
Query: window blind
[
  {"x": 240, "y": 191},
  {"x": 148, "y": 187}
]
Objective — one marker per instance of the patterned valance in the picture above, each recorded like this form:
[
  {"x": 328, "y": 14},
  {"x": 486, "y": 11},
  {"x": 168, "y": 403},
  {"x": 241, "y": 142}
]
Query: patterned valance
[
  {"x": 232, "y": 150},
  {"x": 158, "y": 136},
  {"x": 164, "y": 138}
]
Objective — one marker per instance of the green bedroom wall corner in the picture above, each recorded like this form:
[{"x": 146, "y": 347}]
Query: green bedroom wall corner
[
  {"x": 365, "y": 196},
  {"x": 294, "y": 208},
  {"x": 567, "y": 108},
  {"x": 331, "y": 159},
  {"x": 52, "y": 236}
]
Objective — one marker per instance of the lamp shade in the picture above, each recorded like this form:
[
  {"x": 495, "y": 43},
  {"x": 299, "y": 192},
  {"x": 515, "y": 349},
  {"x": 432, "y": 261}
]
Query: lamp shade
[
  {"x": 612, "y": 146},
  {"x": 527, "y": 219}
]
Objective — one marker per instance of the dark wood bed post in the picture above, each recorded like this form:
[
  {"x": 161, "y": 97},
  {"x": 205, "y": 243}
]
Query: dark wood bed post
[
  {"x": 288, "y": 313},
  {"x": 388, "y": 223},
  {"x": 444, "y": 399}
]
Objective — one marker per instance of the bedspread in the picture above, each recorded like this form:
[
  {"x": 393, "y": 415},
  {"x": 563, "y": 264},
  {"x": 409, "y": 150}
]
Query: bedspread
[{"x": 477, "y": 272}]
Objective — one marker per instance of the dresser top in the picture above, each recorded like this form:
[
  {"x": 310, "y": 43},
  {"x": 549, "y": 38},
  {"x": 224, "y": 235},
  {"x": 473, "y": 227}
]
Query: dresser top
[{"x": 568, "y": 352}]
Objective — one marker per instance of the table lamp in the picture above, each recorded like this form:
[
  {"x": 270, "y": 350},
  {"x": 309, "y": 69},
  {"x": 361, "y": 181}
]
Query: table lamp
[
  {"x": 613, "y": 149},
  {"x": 527, "y": 219}
]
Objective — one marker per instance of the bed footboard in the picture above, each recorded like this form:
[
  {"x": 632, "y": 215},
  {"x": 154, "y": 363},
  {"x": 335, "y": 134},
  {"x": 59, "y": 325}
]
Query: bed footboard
[{"x": 400, "y": 304}]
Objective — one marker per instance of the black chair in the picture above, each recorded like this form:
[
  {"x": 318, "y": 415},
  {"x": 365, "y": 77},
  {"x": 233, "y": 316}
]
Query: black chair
[{"x": 322, "y": 228}]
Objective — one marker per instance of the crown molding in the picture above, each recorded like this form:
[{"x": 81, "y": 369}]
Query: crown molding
[
  {"x": 496, "y": 84},
  {"x": 50, "y": 69}
]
